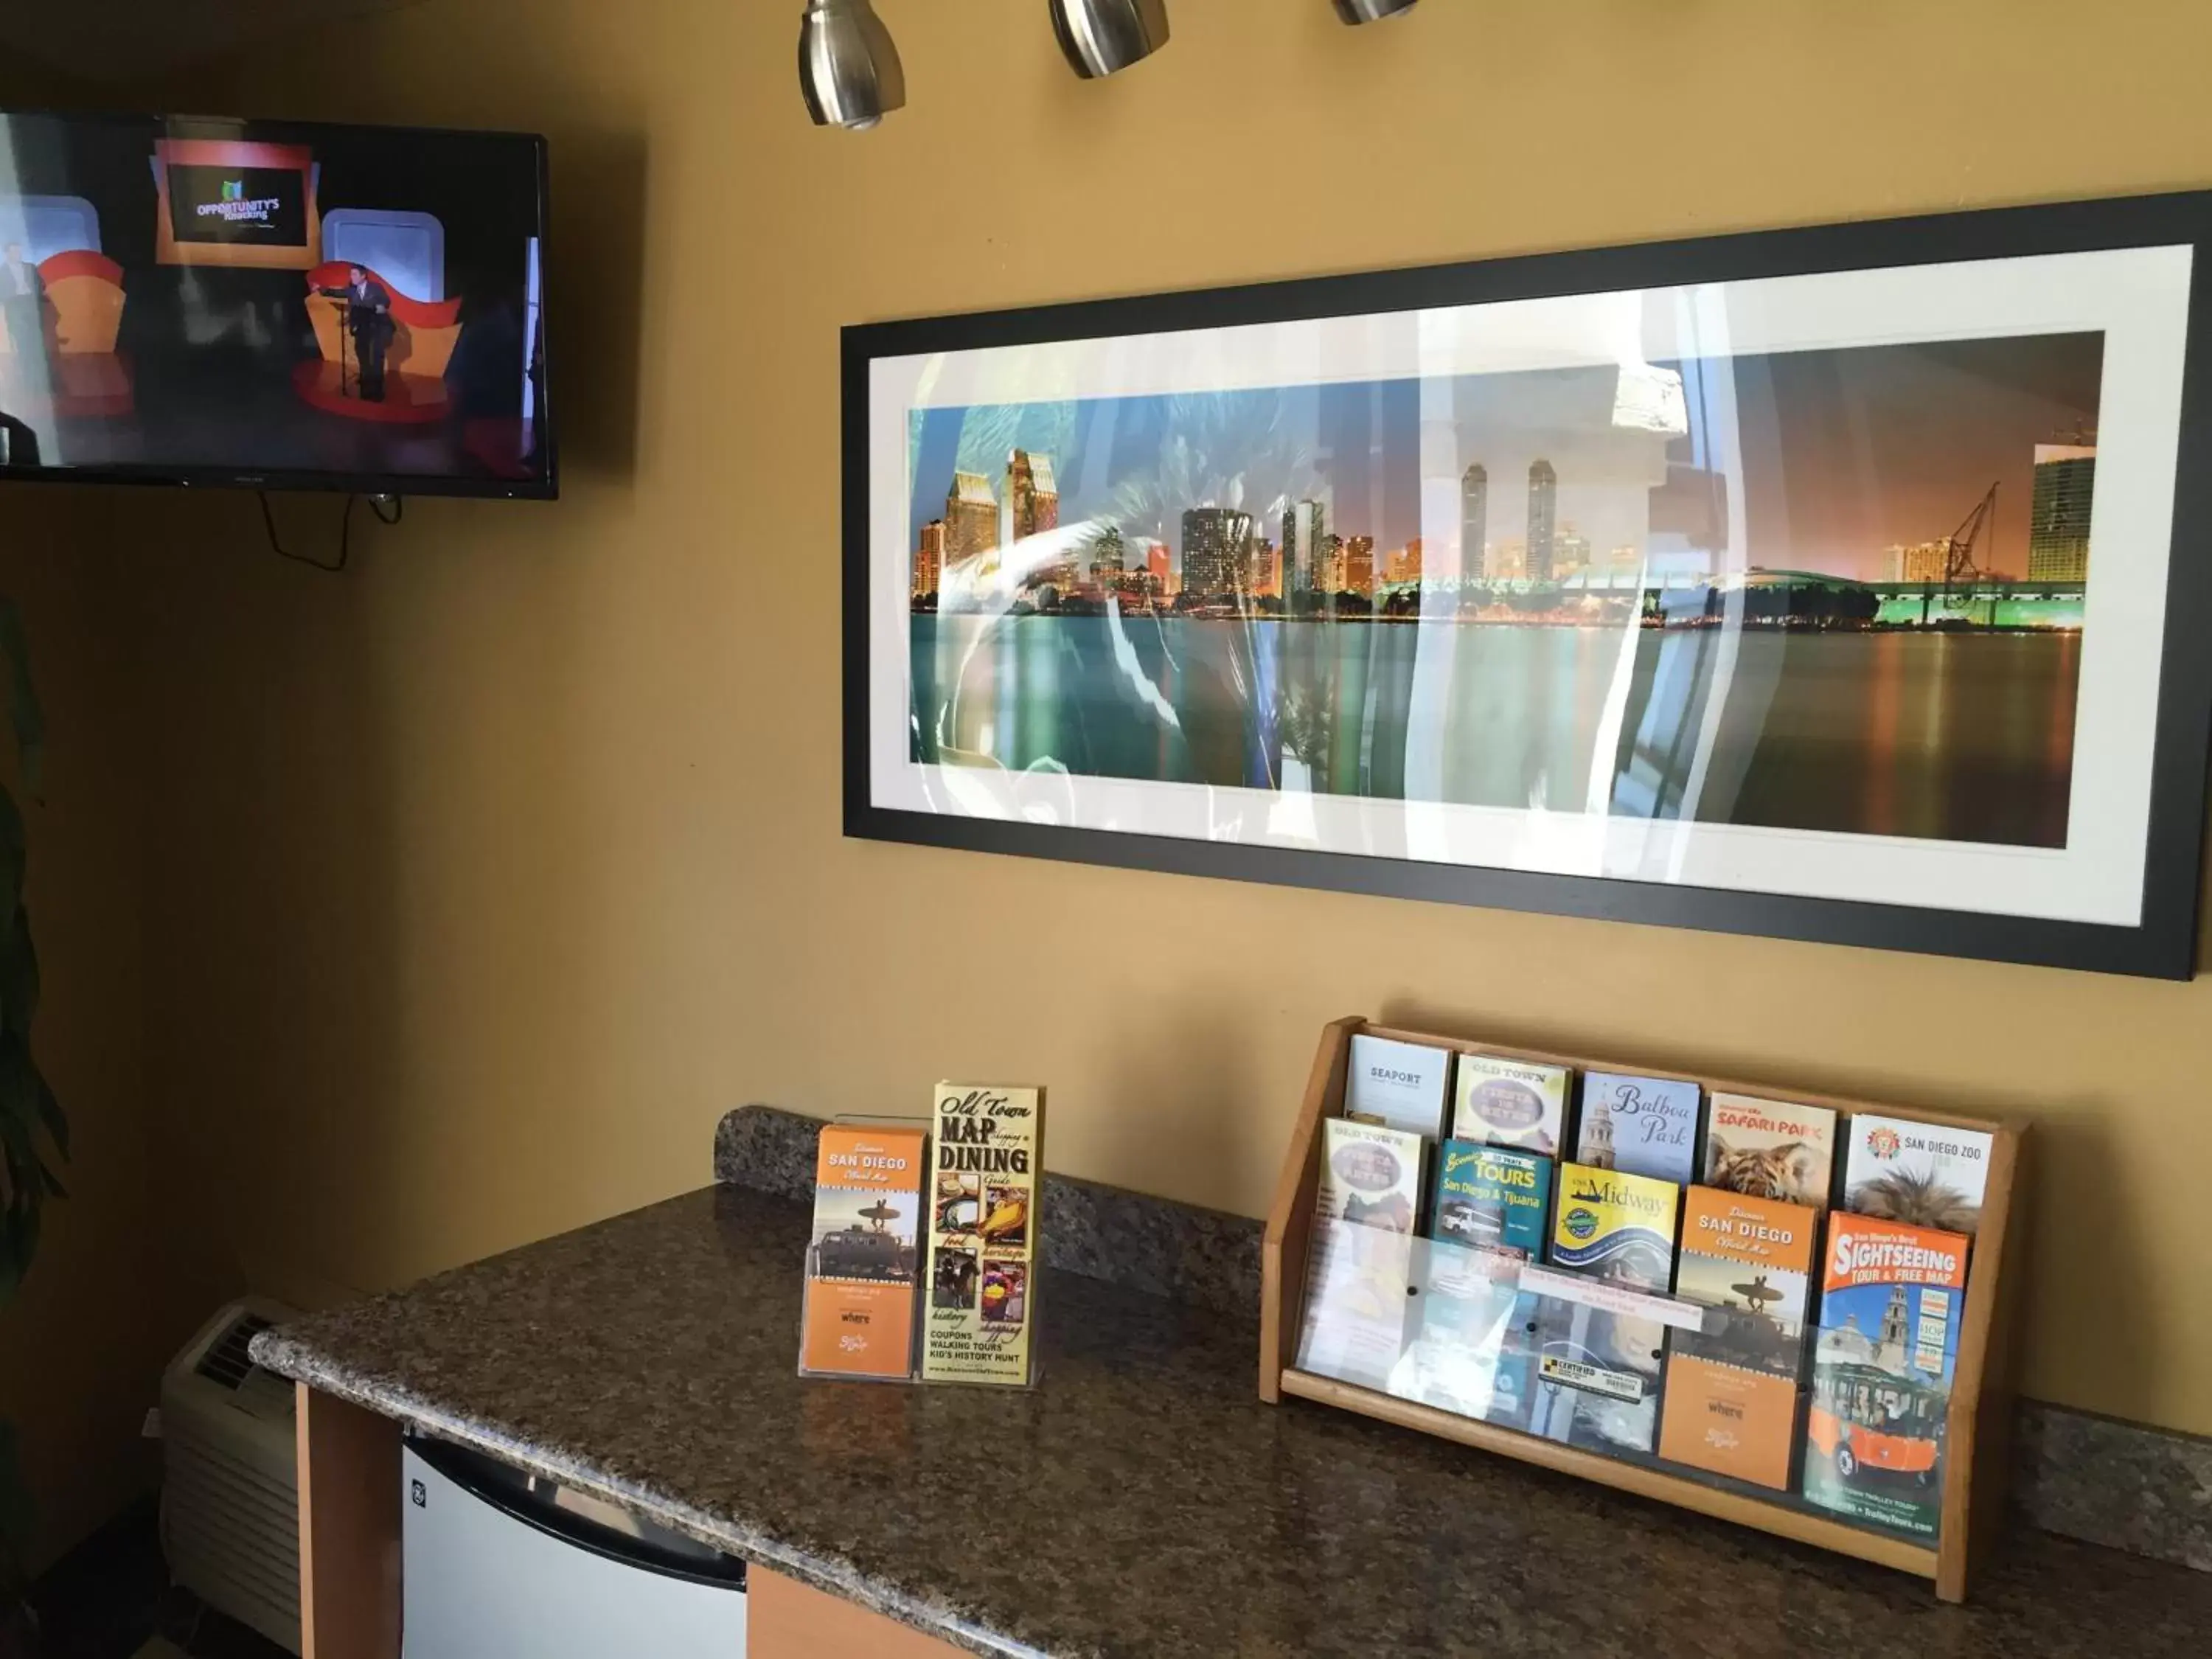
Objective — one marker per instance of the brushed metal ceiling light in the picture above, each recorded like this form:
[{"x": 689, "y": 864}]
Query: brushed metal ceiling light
[
  {"x": 848, "y": 70},
  {"x": 1371, "y": 11},
  {"x": 1102, "y": 36}
]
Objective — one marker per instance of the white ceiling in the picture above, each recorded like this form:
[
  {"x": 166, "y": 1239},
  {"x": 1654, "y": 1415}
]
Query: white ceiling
[{"x": 132, "y": 39}]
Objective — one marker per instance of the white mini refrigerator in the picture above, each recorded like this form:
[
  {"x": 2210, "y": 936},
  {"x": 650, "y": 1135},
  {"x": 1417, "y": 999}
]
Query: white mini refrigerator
[{"x": 501, "y": 1565}]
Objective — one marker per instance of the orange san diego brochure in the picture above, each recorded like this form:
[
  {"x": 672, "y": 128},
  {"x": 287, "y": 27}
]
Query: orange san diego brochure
[
  {"x": 1732, "y": 1385},
  {"x": 862, "y": 1258}
]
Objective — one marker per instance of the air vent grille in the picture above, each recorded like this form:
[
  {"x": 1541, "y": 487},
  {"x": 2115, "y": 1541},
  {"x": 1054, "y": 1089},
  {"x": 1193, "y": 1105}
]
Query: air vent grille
[{"x": 227, "y": 1362}]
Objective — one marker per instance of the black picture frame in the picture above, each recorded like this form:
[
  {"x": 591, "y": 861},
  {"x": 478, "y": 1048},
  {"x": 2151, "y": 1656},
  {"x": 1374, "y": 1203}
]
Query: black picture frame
[{"x": 2163, "y": 944}]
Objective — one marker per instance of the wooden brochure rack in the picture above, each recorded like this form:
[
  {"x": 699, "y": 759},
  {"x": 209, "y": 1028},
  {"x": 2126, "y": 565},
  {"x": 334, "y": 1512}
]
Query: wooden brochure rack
[{"x": 1979, "y": 1424}]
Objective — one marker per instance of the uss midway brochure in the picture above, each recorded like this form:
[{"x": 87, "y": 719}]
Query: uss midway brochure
[{"x": 1597, "y": 1371}]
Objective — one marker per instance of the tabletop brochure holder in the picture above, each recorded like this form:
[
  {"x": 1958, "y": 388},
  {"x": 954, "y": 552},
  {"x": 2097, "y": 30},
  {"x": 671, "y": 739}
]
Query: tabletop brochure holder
[
  {"x": 1453, "y": 1341},
  {"x": 921, "y": 1261}
]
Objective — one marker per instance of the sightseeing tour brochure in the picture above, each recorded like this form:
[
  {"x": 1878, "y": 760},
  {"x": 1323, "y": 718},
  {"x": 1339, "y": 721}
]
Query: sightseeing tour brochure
[{"x": 1892, "y": 1300}]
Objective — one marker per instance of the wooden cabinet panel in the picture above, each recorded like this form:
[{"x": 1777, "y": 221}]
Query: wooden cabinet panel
[
  {"x": 787, "y": 1619},
  {"x": 348, "y": 1462}
]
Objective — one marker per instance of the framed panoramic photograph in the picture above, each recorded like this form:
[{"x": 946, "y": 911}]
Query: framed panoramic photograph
[{"x": 1845, "y": 584}]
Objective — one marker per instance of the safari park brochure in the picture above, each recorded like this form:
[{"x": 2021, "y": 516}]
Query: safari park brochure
[
  {"x": 1892, "y": 1299},
  {"x": 1770, "y": 1148},
  {"x": 863, "y": 1252},
  {"x": 987, "y": 1144},
  {"x": 1732, "y": 1385}
]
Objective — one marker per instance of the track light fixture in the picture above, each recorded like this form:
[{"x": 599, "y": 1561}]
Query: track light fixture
[
  {"x": 848, "y": 70},
  {"x": 1372, "y": 11},
  {"x": 1102, "y": 36}
]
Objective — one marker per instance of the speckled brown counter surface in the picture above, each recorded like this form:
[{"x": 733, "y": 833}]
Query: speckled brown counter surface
[{"x": 1141, "y": 1501}]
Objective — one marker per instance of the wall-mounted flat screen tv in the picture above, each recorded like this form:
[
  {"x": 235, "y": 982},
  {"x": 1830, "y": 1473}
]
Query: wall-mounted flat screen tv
[{"x": 273, "y": 305}]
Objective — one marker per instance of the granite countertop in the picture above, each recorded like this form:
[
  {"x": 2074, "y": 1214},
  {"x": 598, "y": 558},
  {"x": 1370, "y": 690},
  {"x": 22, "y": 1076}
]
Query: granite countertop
[{"x": 1141, "y": 1501}]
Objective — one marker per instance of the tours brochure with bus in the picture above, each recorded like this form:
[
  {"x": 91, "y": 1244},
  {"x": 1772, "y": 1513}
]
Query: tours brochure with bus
[
  {"x": 1893, "y": 1297},
  {"x": 1770, "y": 1148},
  {"x": 1402, "y": 1085},
  {"x": 1925, "y": 1174},
  {"x": 1646, "y": 1125},
  {"x": 1511, "y": 1103},
  {"x": 861, "y": 1259},
  {"x": 987, "y": 1146},
  {"x": 1487, "y": 1217},
  {"x": 1732, "y": 1384},
  {"x": 1492, "y": 1198}
]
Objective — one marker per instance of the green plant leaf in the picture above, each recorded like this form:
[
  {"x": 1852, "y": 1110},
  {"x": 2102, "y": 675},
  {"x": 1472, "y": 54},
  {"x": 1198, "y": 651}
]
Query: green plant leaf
[
  {"x": 19, "y": 974},
  {"x": 17, "y": 1115},
  {"x": 11, "y": 855},
  {"x": 51, "y": 1116},
  {"x": 19, "y": 1243},
  {"x": 29, "y": 721},
  {"x": 26, "y": 1101},
  {"x": 16, "y": 1510}
]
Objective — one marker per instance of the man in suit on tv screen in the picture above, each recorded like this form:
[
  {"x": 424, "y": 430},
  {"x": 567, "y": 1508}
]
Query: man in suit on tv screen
[{"x": 368, "y": 320}]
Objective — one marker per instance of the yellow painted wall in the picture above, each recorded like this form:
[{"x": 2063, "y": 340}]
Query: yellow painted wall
[
  {"x": 489, "y": 875},
  {"x": 109, "y": 1298},
  {"x": 119, "y": 1281}
]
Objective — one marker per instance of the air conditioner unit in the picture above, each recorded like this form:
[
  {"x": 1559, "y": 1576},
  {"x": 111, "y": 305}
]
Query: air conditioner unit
[{"x": 230, "y": 1496}]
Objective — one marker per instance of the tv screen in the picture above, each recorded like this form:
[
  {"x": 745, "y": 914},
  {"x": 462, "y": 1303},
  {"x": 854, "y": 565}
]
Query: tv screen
[{"x": 273, "y": 305}]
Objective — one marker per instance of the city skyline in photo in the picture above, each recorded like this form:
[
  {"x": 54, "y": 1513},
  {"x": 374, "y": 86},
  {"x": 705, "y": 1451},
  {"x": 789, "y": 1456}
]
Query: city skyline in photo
[{"x": 1843, "y": 462}]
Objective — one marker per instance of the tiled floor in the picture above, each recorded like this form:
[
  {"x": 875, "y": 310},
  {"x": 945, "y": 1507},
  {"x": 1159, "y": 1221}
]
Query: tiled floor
[{"x": 111, "y": 1596}]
